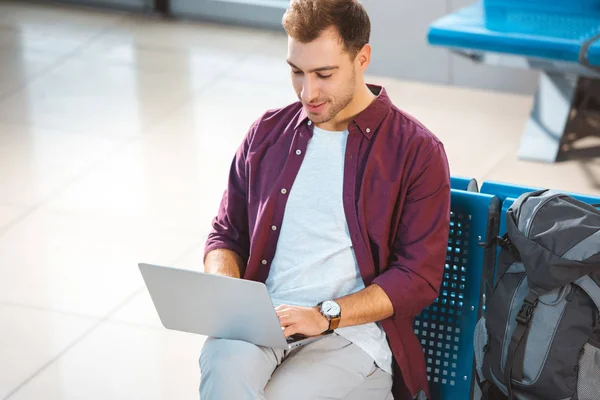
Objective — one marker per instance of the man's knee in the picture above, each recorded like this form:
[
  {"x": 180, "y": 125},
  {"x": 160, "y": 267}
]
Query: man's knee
[
  {"x": 224, "y": 358},
  {"x": 234, "y": 369}
]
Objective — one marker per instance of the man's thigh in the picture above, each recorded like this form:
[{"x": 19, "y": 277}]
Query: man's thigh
[
  {"x": 377, "y": 386},
  {"x": 331, "y": 368},
  {"x": 235, "y": 369}
]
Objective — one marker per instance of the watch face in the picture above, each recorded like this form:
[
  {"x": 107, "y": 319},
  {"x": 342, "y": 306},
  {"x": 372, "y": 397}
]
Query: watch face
[{"x": 331, "y": 308}]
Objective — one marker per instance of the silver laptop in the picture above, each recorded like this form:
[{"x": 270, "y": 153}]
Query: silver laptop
[{"x": 217, "y": 306}]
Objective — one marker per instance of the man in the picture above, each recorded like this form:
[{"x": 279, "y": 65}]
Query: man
[{"x": 340, "y": 204}]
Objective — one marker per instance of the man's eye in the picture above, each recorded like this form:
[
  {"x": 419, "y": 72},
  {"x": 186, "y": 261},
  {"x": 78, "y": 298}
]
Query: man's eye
[
  {"x": 323, "y": 76},
  {"x": 297, "y": 72}
]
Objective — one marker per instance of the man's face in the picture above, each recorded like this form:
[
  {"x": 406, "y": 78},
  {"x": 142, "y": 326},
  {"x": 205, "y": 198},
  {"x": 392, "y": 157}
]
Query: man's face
[{"x": 323, "y": 75}]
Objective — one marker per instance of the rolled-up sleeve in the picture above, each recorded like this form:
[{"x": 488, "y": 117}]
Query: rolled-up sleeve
[
  {"x": 413, "y": 277},
  {"x": 230, "y": 226}
]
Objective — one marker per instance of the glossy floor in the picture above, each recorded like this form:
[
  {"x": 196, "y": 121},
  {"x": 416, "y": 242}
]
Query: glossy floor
[{"x": 116, "y": 134}]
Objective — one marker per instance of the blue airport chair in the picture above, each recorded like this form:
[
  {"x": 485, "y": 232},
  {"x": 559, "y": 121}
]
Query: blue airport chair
[
  {"x": 560, "y": 38},
  {"x": 446, "y": 327},
  {"x": 464, "y": 183}
]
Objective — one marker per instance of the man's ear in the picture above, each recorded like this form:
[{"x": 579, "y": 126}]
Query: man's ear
[{"x": 363, "y": 58}]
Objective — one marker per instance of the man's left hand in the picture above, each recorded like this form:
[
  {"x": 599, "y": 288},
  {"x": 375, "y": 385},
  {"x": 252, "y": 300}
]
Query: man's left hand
[{"x": 307, "y": 321}]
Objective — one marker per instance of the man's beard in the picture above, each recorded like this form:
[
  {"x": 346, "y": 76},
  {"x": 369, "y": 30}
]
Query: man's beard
[{"x": 338, "y": 104}]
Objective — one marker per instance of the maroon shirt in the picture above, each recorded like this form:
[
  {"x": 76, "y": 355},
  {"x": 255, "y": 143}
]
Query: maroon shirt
[{"x": 396, "y": 199}]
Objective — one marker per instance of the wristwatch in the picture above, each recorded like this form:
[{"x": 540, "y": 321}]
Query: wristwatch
[{"x": 333, "y": 312}]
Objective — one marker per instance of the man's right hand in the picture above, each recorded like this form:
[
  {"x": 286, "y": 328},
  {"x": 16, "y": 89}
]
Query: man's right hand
[{"x": 224, "y": 262}]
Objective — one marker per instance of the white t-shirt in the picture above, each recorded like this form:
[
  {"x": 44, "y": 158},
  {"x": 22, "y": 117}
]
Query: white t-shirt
[{"x": 315, "y": 259}]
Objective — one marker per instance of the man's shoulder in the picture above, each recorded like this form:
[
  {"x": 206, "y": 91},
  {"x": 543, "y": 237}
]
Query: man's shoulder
[
  {"x": 410, "y": 142},
  {"x": 276, "y": 120},
  {"x": 411, "y": 129},
  {"x": 292, "y": 109},
  {"x": 416, "y": 146}
]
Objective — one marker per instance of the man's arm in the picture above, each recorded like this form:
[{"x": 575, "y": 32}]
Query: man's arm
[
  {"x": 224, "y": 262},
  {"x": 414, "y": 274},
  {"x": 228, "y": 244},
  {"x": 412, "y": 280},
  {"x": 368, "y": 305}
]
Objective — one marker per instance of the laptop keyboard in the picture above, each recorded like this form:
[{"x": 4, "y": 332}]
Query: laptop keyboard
[{"x": 295, "y": 338}]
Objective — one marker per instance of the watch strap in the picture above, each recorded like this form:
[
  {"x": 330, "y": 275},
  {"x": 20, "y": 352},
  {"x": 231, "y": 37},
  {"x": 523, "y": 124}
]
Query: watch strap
[{"x": 334, "y": 323}]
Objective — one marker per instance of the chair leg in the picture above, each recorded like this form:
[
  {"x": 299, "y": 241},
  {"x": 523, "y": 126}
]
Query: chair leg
[
  {"x": 566, "y": 109},
  {"x": 584, "y": 122},
  {"x": 548, "y": 120}
]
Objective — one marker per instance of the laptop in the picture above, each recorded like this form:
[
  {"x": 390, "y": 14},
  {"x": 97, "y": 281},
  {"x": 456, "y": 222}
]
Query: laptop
[{"x": 217, "y": 306}]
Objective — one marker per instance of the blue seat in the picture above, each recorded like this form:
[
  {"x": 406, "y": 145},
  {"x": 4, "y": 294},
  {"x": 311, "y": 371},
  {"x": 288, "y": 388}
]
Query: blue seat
[
  {"x": 527, "y": 32},
  {"x": 464, "y": 183},
  {"x": 446, "y": 327},
  {"x": 560, "y": 38},
  {"x": 560, "y": 6}
]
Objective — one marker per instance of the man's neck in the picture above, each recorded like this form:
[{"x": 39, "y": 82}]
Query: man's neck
[{"x": 361, "y": 101}]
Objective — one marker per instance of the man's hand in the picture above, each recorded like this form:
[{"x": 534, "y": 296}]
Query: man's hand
[{"x": 307, "y": 321}]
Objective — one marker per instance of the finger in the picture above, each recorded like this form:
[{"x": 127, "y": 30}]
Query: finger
[
  {"x": 284, "y": 306},
  {"x": 291, "y": 330},
  {"x": 281, "y": 313},
  {"x": 285, "y": 320},
  {"x": 282, "y": 309}
]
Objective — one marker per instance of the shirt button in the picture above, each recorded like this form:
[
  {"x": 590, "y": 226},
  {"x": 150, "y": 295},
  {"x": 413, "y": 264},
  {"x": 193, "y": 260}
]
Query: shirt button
[
  {"x": 264, "y": 262},
  {"x": 283, "y": 191},
  {"x": 274, "y": 227},
  {"x": 298, "y": 152},
  {"x": 368, "y": 130},
  {"x": 309, "y": 122}
]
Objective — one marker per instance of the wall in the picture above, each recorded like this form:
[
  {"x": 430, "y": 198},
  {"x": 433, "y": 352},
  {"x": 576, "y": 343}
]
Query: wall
[{"x": 399, "y": 38}]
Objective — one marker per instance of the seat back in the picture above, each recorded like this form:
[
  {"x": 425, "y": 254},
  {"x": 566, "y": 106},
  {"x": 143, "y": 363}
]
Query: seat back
[
  {"x": 446, "y": 327},
  {"x": 558, "y": 6},
  {"x": 464, "y": 183},
  {"x": 509, "y": 27}
]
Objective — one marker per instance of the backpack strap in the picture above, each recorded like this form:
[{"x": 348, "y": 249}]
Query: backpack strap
[
  {"x": 485, "y": 390},
  {"x": 516, "y": 349},
  {"x": 518, "y": 355},
  {"x": 591, "y": 288}
]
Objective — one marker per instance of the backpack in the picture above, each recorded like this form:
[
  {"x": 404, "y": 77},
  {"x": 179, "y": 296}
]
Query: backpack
[{"x": 539, "y": 337}]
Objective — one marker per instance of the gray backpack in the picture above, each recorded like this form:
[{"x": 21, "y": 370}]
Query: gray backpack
[{"x": 539, "y": 338}]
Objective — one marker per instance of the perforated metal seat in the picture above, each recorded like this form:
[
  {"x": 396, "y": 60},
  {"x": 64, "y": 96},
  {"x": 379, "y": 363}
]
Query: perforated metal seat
[{"x": 446, "y": 328}]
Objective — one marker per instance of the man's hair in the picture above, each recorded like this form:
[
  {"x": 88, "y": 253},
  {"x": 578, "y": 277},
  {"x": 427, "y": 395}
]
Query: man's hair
[{"x": 305, "y": 20}]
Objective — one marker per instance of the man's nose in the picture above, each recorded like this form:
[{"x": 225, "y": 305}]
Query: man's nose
[{"x": 310, "y": 91}]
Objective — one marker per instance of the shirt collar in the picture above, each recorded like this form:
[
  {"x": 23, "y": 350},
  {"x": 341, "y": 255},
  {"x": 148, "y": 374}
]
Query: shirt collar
[{"x": 367, "y": 120}]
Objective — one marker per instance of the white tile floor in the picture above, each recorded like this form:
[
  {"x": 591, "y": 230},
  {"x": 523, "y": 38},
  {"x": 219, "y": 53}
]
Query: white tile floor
[{"x": 116, "y": 134}]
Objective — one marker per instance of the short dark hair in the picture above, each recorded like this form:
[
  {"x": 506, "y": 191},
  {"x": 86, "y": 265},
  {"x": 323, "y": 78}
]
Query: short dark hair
[{"x": 305, "y": 20}]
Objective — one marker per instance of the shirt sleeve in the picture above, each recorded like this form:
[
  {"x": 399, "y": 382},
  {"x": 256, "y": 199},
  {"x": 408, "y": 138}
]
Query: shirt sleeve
[
  {"x": 413, "y": 277},
  {"x": 230, "y": 226}
]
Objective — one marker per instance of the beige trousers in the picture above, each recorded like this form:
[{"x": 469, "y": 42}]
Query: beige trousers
[{"x": 330, "y": 368}]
